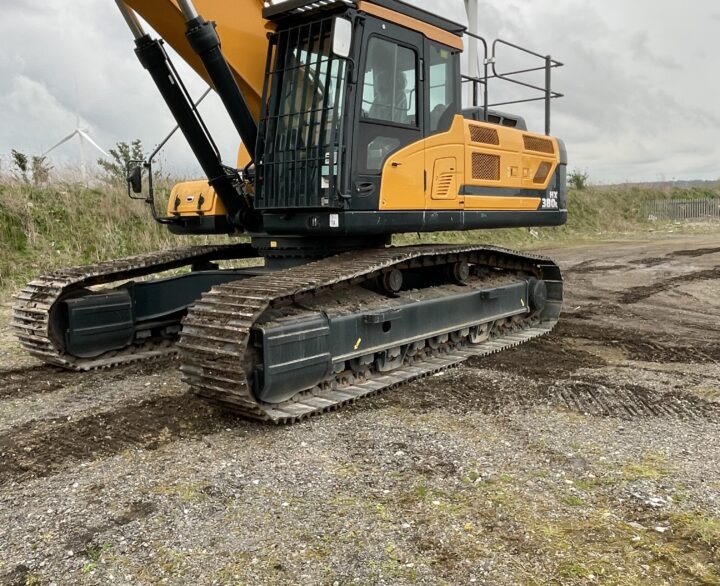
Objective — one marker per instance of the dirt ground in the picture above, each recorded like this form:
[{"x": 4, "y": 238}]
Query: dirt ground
[{"x": 588, "y": 457}]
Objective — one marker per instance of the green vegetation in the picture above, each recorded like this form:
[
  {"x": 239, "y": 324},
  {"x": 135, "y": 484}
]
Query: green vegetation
[
  {"x": 123, "y": 153},
  {"x": 35, "y": 166},
  {"x": 651, "y": 467},
  {"x": 578, "y": 179},
  {"x": 43, "y": 227},
  {"x": 64, "y": 224}
]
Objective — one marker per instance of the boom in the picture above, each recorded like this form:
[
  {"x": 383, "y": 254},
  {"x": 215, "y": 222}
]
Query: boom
[{"x": 242, "y": 30}]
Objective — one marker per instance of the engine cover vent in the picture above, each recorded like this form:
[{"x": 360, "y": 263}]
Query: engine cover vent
[
  {"x": 485, "y": 167},
  {"x": 540, "y": 145},
  {"x": 484, "y": 135}
]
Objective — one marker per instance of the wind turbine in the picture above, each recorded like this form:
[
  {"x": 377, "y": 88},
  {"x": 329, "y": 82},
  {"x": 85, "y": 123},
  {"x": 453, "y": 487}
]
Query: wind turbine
[{"x": 83, "y": 137}]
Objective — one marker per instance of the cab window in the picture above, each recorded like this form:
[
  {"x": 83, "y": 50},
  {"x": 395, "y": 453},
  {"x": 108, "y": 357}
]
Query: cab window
[
  {"x": 390, "y": 83},
  {"x": 442, "y": 95}
]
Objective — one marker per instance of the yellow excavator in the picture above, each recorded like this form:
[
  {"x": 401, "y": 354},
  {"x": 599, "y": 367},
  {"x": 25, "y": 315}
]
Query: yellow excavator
[{"x": 352, "y": 130}]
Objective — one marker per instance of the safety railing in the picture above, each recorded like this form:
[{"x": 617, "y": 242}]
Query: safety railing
[
  {"x": 683, "y": 209},
  {"x": 490, "y": 72}
]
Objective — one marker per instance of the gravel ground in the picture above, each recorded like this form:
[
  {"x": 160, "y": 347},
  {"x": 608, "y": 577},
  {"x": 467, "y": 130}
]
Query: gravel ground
[{"x": 586, "y": 457}]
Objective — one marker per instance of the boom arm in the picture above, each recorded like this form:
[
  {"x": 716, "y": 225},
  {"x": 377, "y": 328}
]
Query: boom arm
[{"x": 241, "y": 28}]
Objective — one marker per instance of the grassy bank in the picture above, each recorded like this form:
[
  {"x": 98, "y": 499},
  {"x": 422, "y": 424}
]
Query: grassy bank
[{"x": 42, "y": 228}]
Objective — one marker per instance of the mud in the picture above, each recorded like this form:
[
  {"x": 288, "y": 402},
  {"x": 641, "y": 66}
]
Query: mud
[
  {"x": 38, "y": 449},
  {"x": 16, "y": 383}
]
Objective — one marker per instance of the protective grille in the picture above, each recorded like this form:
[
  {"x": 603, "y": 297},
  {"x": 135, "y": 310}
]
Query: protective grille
[
  {"x": 485, "y": 167},
  {"x": 301, "y": 131},
  {"x": 540, "y": 145},
  {"x": 483, "y": 135},
  {"x": 542, "y": 172}
]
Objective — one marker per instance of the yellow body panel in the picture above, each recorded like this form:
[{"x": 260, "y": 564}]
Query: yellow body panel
[
  {"x": 242, "y": 31},
  {"x": 429, "y": 174},
  {"x": 240, "y": 26},
  {"x": 194, "y": 198}
]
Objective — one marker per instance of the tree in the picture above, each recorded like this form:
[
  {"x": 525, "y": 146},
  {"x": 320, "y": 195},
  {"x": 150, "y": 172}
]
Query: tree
[
  {"x": 122, "y": 154},
  {"x": 578, "y": 179},
  {"x": 40, "y": 169},
  {"x": 20, "y": 161},
  {"x": 35, "y": 166}
]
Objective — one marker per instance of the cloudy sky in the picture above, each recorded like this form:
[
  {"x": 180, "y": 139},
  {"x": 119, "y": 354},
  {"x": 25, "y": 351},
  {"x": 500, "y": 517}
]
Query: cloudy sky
[{"x": 640, "y": 80}]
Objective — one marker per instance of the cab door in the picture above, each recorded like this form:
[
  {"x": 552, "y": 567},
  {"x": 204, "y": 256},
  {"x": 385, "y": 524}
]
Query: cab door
[{"x": 389, "y": 107}]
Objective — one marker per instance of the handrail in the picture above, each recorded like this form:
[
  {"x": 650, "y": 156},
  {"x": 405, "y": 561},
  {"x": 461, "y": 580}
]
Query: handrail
[{"x": 490, "y": 72}]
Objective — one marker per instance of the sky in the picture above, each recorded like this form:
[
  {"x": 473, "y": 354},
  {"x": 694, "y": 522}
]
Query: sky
[{"x": 640, "y": 82}]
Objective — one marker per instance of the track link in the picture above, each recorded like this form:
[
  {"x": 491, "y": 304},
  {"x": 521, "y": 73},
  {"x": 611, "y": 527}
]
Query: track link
[
  {"x": 216, "y": 354},
  {"x": 35, "y": 303}
]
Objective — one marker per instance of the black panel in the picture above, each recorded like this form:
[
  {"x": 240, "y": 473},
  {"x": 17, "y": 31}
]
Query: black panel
[
  {"x": 495, "y": 117},
  {"x": 296, "y": 356},
  {"x": 288, "y": 8},
  {"x": 95, "y": 323},
  {"x": 201, "y": 225},
  {"x": 471, "y": 190},
  {"x": 98, "y": 322},
  {"x": 375, "y": 222}
]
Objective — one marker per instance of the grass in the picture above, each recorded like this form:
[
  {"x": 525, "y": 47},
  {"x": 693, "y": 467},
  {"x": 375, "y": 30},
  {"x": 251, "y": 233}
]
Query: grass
[
  {"x": 651, "y": 467},
  {"x": 65, "y": 224}
]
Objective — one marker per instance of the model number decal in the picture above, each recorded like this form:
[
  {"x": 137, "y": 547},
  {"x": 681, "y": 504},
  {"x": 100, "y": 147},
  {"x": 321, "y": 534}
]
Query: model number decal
[{"x": 550, "y": 202}]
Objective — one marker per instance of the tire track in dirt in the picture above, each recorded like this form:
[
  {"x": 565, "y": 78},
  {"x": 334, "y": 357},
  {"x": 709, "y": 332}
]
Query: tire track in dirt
[
  {"x": 603, "y": 398},
  {"x": 479, "y": 391},
  {"x": 544, "y": 372},
  {"x": 694, "y": 253},
  {"x": 640, "y": 293},
  {"x": 22, "y": 382},
  {"x": 587, "y": 267},
  {"x": 40, "y": 449},
  {"x": 661, "y": 348}
]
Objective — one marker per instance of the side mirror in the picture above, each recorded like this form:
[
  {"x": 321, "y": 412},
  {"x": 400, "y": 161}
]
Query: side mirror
[
  {"x": 134, "y": 179},
  {"x": 342, "y": 37}
]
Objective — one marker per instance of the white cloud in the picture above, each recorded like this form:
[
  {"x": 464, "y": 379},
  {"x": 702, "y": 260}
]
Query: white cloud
[{"x": 639, "y": 81}]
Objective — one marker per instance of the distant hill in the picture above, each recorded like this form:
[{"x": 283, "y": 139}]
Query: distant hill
[{"x": 686, "y": 184}]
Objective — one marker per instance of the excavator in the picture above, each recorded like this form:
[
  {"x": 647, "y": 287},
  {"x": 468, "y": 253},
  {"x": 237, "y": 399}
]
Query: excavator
[{"x": 352, "y": 130}]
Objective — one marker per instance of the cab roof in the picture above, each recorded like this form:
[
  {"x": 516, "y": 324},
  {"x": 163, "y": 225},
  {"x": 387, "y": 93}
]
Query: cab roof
[{"x": 278, "y": 9}]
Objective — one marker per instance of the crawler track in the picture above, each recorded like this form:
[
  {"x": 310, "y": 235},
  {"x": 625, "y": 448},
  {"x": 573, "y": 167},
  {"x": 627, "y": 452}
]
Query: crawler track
[
  {"x": 36, "y": 302},
  {"x": 216, "y": 355}
]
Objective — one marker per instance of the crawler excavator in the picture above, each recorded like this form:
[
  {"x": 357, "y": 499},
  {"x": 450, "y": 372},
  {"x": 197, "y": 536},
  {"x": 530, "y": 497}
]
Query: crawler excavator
[{"x": 352, "y": 130}]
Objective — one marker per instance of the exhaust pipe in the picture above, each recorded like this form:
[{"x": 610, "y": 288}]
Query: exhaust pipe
[{"x": 204, "y": 40}]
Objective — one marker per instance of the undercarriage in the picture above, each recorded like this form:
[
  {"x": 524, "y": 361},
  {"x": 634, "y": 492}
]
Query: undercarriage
[{"x": 279, "y": 343}]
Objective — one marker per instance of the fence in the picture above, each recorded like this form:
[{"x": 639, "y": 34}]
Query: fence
[{"x": 683, "y": 209}]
